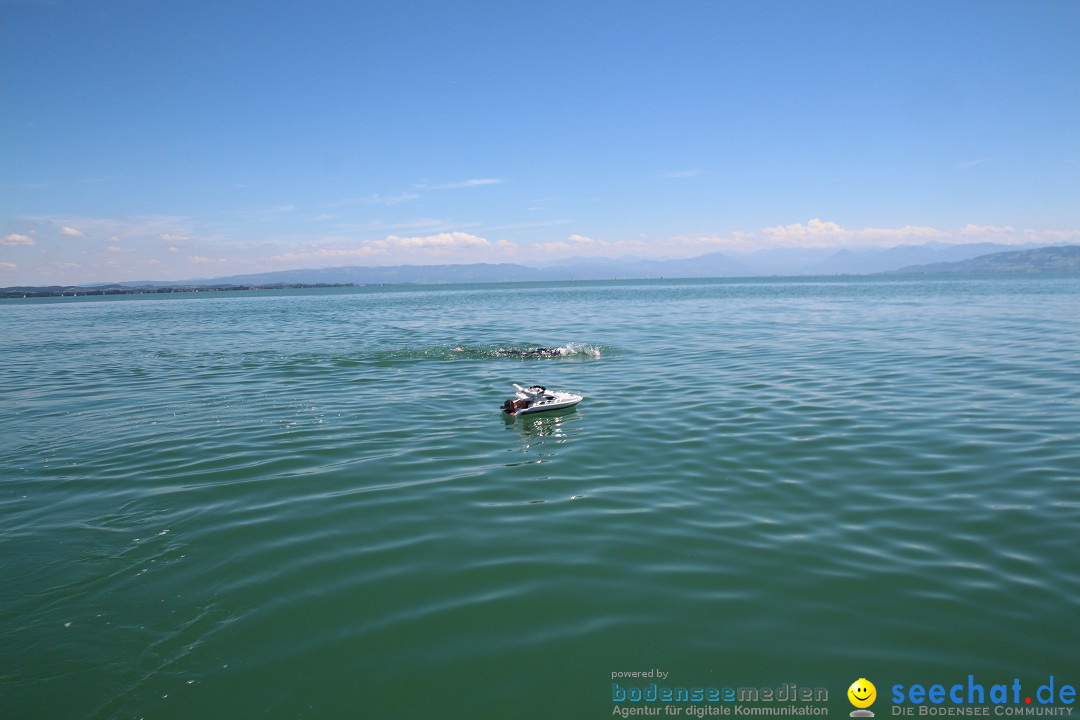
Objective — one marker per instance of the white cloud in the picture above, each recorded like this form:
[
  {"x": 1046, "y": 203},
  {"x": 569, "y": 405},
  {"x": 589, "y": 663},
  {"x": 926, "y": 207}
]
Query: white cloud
[
  {"x": 814, "y": 234},
  {"x": 798, "y": 232},
  {"x": 452, "y": 247},
  {"x": 466, "y": 247},
  {"x": 482, "y": 181},
  {"x": 554, "y": 248},
  {"x": 325, "y": 253},
  {"x": 984, "y": 230},
  {"x": 1008, "y": 235},
  {"x": 576, "y": 243},
  {"x": 111, "y": 230},
  {"x": 902, "y": 233},
  {"x": 430, "y": 241},
  {"x": 8, "y": 266},
  {"x": 585, "y": 240},
  {"x": 819, "y": 233},
  {"x": 822, "y": 234},
  {"x": 439, "y": 241},
  {"x": 17, "y": 239}
]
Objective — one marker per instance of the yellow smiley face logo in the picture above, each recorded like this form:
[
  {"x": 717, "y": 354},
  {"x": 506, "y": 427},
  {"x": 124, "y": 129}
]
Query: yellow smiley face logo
[{"x": 862, "y": 693}]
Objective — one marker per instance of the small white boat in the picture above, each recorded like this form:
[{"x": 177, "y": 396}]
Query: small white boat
[{"x": 537, "y": 398}]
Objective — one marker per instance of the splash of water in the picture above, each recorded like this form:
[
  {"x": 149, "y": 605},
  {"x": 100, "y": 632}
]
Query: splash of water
[{"x": 580, "y": 349}]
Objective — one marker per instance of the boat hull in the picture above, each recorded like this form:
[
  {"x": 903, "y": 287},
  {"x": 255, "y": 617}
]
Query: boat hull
[{"x": 559, "y": 402}]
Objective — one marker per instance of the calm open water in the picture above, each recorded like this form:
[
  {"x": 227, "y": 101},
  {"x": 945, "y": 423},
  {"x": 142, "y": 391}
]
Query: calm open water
[{"x": 305, "y": 504}]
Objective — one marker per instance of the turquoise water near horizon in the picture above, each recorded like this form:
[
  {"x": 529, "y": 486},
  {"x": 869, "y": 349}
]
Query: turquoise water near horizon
[{"x": 285, "y": 504}]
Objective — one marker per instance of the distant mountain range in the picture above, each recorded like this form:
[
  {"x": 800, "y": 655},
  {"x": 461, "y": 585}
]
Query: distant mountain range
[
  {"x": 761, "y": 263},
  {"x": 397, "y": 274},
  {"x": 928, "y": 258},
  {"x": 1063, "y": 259}
]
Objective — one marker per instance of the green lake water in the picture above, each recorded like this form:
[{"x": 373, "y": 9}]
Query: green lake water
[{"x": 306, "y": 504}]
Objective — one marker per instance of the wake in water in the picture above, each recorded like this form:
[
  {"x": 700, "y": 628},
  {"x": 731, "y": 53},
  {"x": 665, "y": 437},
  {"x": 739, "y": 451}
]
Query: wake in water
[{"x": 568, "y": 350}]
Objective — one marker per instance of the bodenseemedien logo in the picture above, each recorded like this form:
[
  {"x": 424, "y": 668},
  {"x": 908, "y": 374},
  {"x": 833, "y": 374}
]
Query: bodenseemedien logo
[{"x": 862, "y": 695}]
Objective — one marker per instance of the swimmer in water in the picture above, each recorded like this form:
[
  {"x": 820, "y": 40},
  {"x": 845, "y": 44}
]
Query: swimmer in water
[
  {"x": 538, "y": 352},
  {"x": 514, "y": 352}
]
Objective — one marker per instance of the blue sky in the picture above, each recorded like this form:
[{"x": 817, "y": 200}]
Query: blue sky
[{"x": 149, "y": 140}]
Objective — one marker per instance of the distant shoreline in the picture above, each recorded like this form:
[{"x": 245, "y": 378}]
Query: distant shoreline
[
  {"x": 79, "y": 291},
  {"x": 898, "y": 260},
  {"x": 52, "y": 291}
]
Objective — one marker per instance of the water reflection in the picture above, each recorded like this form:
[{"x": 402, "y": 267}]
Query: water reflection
[
  {"x": 554, "y": 424},
  {"x": 542, "y": 433}
]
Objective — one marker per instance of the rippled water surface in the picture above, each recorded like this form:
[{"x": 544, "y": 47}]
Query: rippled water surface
[{"x": 306, "y": 503}]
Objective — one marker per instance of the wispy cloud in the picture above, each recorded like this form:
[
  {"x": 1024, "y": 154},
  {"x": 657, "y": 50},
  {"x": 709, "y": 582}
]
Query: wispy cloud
[
  {"x": 1053, "y": 236},
  {"x": 575, "y": 244},
  {"x": 464, "y": 247},
  {"x": 536, "y": 225},
  {"x": 818, "y": 234},
  {"x": 443, "y": 247},
  {"x": 971, "y": 163},
  {"x": 678, "y": 174},
  {"x": 389, "y": 200},
  {"x": 441, "y": 240},
  {"x": 8, "y": 266},
  {"x": 17, "y": 239},
  {"x": 380, "y": 226},
  {"x": 471, "y": 183},
  {"x": 983, "y": 231},
  {"x": 105, "y": 229},
  {"x": 175, "y": 247},
  {"x": 376, "y": 199}
]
